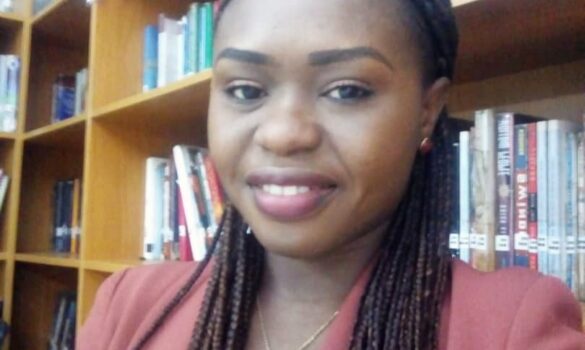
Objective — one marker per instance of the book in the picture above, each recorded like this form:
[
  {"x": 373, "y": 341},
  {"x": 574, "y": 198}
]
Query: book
[
  {"x": 60, "y": 317},
  {"x": 521, "y": 238},
  {"x": 532, "y": 197},
  {"x": 9, "y": 92},
  {"x": 505, "y": 195},
  {"x": 571, "y": 222},
  {"x": 6, "y": 5},
  {"x": 150, "y": 58},
  {"x": 169, "y": 50},
  {"x": 581, "y": 216},
  {"x": 68, "y": 336},
  {"x": 76, "y": 217},
  {"x": 191, "y": 195},
  {"x": 464, "y": 194},
  {"x": 4, "y": 180},
  {"x": 153, "y": 208},
  {"x": 63, "y": 103},
  {"x": 542, "y": 190},
  {"x": 80, "y": 91},
  {"x": 483, "y": 178},
  {"x": 185, "y": 250},
  {"x": 205, "y": 36}
]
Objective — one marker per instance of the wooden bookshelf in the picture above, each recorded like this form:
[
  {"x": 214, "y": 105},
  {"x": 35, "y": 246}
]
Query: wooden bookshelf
[{"x": 522, "y": 55}]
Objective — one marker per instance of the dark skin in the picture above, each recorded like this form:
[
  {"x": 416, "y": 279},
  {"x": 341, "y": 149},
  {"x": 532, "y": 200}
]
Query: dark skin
[{"x": 283, "y": 97}]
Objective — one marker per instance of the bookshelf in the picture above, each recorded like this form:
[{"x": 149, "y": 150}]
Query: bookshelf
[{"x": 523, "y": 55}]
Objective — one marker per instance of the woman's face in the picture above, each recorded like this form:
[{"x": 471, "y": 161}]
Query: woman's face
[{"x": 316, "y": 114}]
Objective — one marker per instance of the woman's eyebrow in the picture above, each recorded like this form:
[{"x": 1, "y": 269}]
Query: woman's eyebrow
[
  {"x": 320, "y": 58},
  {"x": 245, "y": 56}
]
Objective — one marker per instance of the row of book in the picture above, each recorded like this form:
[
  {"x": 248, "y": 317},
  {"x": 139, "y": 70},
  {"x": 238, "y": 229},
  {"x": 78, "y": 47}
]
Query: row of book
[
  {"x": 184, "y": 203},
  {"x": 9, "y": 91},
  {"x": 62, "y": 335},
  {"x": 69, "y": 95},
  {"x": 522, "y": 196},
  {"x": 67, "y": 216},
  {"x": 179, "y": 47}
]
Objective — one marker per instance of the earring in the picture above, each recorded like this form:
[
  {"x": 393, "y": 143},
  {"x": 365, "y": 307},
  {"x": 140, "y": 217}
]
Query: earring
[{"x": 426, "y": 146}]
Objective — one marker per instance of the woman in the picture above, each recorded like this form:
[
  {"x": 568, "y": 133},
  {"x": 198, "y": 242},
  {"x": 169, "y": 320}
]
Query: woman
[{"x": 327, "y": 126}]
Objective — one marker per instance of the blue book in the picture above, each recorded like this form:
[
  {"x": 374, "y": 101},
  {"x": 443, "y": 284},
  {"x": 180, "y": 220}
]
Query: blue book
[
  {"x": 521, "y": 237},
  {"x": 205, "y": 36},
  {"x": 150, "y": 72}
]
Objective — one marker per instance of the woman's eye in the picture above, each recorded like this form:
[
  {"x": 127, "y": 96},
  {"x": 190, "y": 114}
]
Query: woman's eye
[
  {"x": 348, "y": 92},
  {"x": 245, "y": 92}
]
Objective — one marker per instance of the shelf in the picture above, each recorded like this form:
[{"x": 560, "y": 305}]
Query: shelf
[
  {"x": 7, "y": 136},
  {"x": 49, "y": 259},
  {"x": 69, "y": 131},
  {"x": 10, "y": 18},
  {"x": 3, "y": 256},
  {"x": 504, "y": 37},
  {"x": 115, "y": 265},
  {"x": 176, "y": 103}
]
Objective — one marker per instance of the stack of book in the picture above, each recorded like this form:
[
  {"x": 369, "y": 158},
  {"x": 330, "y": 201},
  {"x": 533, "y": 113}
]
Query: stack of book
[
  {"x": 62, "y": 335},
  {"x": 9, "y": 88},
  {"x": 184, "y": 203},
  {"x": 522, "y": 196},
  {"x": 69, "y": 94},
  {"x": 178, "y": 47},
  {"x": 67, "y": 216},
  {"x": 6, "y": 5}
]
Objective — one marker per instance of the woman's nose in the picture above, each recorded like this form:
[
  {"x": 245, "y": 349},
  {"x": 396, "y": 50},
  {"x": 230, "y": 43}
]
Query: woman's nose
[{"x": 288, "y": 131}]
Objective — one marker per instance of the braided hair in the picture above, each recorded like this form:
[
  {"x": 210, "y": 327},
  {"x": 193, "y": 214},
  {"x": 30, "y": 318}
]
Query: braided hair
[{"x": 400, "y": 308}]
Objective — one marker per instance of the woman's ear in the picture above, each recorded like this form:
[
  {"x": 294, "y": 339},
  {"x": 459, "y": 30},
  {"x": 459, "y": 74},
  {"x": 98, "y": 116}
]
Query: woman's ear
[{"x": 434, "y": 100}]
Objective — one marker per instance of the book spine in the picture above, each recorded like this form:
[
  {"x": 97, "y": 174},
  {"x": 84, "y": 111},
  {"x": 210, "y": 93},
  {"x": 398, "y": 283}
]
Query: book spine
[
  {"x": 521, "y": 238},
  {"x": 185, "y": 249},
  {"x": 12, "y": 87},
  {"x": 194, "y": 37},
  {"x": 167, "y": 232},
  {"x": 464, "y": 195},
  {"x": 206, "y": 189},
  {"x": 162, "y": 51},
  {"x": 59, "y": 230},
  {"x": 581, "y": 217},
  {"x": 571, "y": 210},
  {"x": 201, "y": 37},
  {"x": 532, "y": 197},
  {"x": 505, "y": 198},
  {"x": 209, "y": 35},
  {"x": 153, "y": 208},
  {"x": 556, "y": 242},
  {"x": 75, "y": 210},
  {"x": 150, "y": 68},
  {"x": 215, "y": 188},
  {"x": 180, "y": 34},
  {"x": 455, "y": 221},
  {"x": 483, "y": 189},
  {"x": 542, "y": 199}
]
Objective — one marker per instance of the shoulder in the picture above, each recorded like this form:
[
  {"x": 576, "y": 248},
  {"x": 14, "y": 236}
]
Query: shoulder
[
  {"x": 130, "y": 299},
  {"x": 513, "y": 308}
]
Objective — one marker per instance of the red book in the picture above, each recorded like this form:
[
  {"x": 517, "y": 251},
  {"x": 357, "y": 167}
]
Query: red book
[
  {"x": 214, "y": 187},
  {"x": 185, "y": 253},
  {"x": 532, "y": 198}
]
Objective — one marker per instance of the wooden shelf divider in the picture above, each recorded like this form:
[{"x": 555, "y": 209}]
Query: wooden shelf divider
[{"x": 49, "y": 259}]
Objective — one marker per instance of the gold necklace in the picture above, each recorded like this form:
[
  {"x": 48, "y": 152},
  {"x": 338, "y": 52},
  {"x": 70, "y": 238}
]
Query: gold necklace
[{"x": 307, "y": 342}]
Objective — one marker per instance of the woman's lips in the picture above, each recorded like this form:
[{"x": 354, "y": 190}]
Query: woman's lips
[{"x": 289, "y": 194}]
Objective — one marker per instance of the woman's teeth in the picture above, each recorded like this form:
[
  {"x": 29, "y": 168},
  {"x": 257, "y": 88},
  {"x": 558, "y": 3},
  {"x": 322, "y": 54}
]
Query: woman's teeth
[{"x": 277, "y": 190}]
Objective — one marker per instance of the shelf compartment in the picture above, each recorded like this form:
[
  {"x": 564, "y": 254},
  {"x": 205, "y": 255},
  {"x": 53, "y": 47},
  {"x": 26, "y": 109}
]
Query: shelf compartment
[
  {"x": 70, "y": 131},
  {"x": 504, "y": 37},
  {"x": 60, "y": 45},
  {"x": 36, "y": 289},
  {"x": 44, "y": 165},
  {"x": 50, "y": 259},
  {"x": 11, "y": 34},
  {"x": 117, "y": 51}
]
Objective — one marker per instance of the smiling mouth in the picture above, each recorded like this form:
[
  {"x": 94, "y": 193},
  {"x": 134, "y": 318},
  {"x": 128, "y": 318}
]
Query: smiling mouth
[{"x": 289, "y": 194}]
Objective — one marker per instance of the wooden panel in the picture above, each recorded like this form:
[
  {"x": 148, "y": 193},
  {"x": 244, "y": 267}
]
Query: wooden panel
[
  {"x": 65, "y": 22},
  {"x": 36, "y": 289},
  {"x": 10, "y": 36},
  {"x": 552, "y": 92},
  {"x": 43, "y": 166},
  {"x": 91, "y": 283},
  {"x": 118, "y": 44},
  {"x": 6, "y": 164},
  {"x": 500, "y": 37}
]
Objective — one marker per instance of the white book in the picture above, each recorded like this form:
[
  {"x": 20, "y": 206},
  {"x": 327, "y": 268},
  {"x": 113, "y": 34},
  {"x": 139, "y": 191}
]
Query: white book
[
  {"x": 153, "y": 208},
  {"x": 542, "y": 197},
  {"x": 581, "y": 217},
  {"x": 483, "y": 222},
  {"x": 185, "y": 162},
  {"x": 169, "y": 44},
  {"x": 464, "y": 195},
  {"x": 571, "y": 211},
  {"x": 558, "y": 198}
]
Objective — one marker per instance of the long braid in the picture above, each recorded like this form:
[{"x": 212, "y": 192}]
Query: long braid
[{"x": 401, "y": 305}]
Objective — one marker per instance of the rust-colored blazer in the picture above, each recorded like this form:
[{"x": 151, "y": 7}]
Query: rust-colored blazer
[{"x": 512, "y": 309}]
